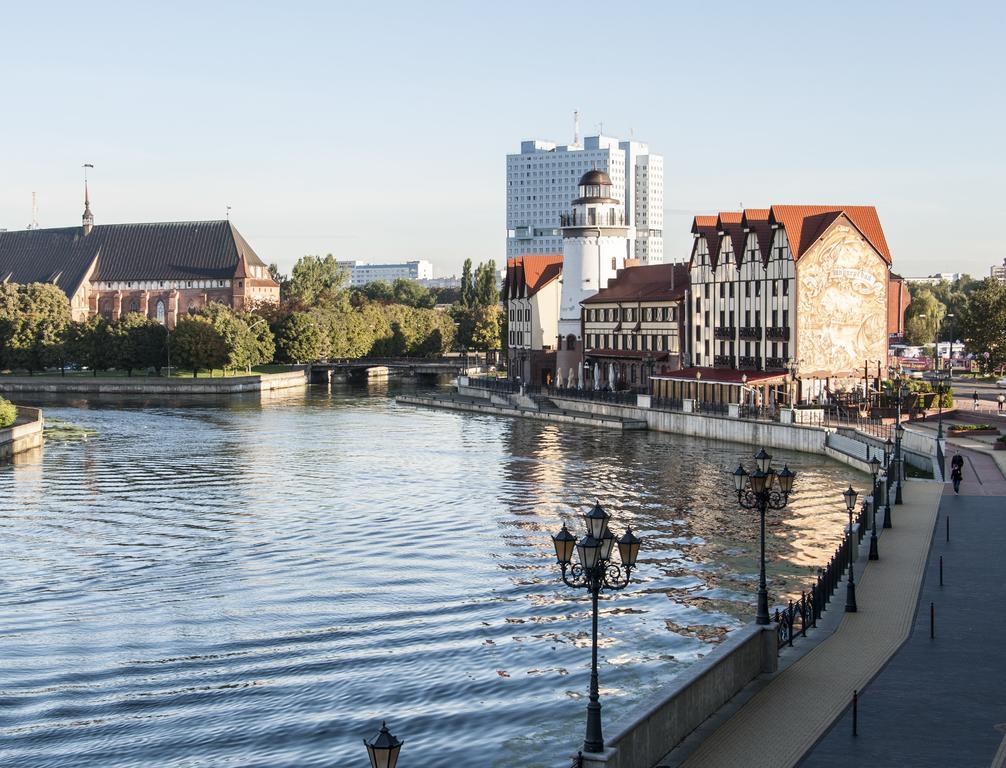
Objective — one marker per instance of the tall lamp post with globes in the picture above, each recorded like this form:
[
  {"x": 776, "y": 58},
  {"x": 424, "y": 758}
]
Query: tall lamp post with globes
[
  {"x": 875, "y": 471},
  {"x": 899, "y": 433},
  {"x": 760, "y": 490},
  {"x": 888, "y": 456},
  {"x": 595, "y": 572},
  {"x": 850, "y": 592}
]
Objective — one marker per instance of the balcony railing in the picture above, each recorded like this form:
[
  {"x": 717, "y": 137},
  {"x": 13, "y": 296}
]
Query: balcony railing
[
  {"x": 610, "y": 218},
  {"x": 775, "y": 364},
  {"x": 723, "y": 361},
  {"x": 748, "y": 363},
  {"x": 724, "y": 332},
  {"x": 750, "y": 332},
  {"x": 777, "y": 333}
]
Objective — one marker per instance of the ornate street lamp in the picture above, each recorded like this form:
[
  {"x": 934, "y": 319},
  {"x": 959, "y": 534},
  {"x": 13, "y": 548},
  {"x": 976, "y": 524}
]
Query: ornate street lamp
[
  {"x": 760, "y": 490},
  {"x": 899, "y": 433},
  {"x": 888, "y": 455},
  {"x": 595, "y": 572},
  {"x": 850, "y": 593},
  {"x": 383, "y": 749},
  {"x": 875, "y": 470}
]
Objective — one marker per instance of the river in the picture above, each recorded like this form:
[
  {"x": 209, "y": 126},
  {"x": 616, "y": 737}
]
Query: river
[{"x": 246, "y": 583}]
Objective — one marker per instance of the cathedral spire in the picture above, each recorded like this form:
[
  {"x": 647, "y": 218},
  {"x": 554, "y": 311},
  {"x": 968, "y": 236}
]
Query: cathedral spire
[{"x": 88, "y": 218}]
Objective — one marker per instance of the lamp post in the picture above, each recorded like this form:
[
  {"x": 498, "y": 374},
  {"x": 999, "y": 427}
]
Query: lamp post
[
  {"x": 850, "y": 592},
  {"x": 649, "y": 363},
  {"x": 595, "y": 572},
  {"x": 939, "y": 403},
  {"x": 760, "y": 490},
  {"x": 875, "y": 471},
  {"x": 899, "y": 432},
  {"x": 888, "y": 456},
  {"x": 383, "y": 749}
]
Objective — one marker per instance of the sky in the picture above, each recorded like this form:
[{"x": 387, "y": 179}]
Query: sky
[{"x": 379, "y": 131}]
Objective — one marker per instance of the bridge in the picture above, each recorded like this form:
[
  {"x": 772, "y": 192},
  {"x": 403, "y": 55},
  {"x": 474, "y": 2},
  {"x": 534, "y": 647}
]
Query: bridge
[{"x": 376, "y": 368}]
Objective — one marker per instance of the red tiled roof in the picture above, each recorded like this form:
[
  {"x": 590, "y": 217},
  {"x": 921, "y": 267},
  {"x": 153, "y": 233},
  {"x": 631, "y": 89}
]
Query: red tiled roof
[
  {"x": 722, "y": 375},
  {"x": 534, "y": 271},
  {"x": 731, "y": 224},
  {"x": 805, "y": 223},
  {"x": 654, "y": 282},
  {"x": 707, "y": 227},
  {"x": 757, "y": 220}
]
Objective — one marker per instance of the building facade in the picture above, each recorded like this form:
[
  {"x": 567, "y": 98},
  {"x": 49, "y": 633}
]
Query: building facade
[
  {"x": 999, "y": 272},
  {"x": 161, "y": 270},
  {"x": 595, "y": 243},
  {"x": 790, "y": 290},
  {"x": 531, "y": 295},
  {"x": 634, "y": 328},
  {"x": 541, "y": 183},
  {"x": 361, "y": 273}
]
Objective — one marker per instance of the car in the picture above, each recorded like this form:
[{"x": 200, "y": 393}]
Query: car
[{"x": 1001, "y": 383}]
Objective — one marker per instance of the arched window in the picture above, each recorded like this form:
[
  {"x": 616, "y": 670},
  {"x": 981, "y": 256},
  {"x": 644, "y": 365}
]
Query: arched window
[
  {"x": 571, "y": 342},
  {"x": 134, "y": 306},
  {"x": 160, "y": 312}
]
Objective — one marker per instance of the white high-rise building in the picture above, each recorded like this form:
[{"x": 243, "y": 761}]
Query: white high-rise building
[
  {"x": 362, "y": 272},
  {"x": 542, "y": 183}
]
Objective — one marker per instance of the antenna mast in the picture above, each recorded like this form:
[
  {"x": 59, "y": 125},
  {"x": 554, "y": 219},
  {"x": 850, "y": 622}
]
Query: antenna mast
[
  {"x": 576, "y": 127},
  {"x": 34, "y": 211}
]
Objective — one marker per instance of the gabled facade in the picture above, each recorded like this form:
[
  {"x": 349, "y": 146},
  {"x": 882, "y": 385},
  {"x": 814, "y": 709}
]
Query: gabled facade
[
  {"x": 799, "y": 290},
  {"x": 532, "y": 291}
]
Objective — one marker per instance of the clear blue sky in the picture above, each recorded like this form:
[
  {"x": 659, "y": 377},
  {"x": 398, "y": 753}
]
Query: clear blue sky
[{"x": 379, "y": 131}]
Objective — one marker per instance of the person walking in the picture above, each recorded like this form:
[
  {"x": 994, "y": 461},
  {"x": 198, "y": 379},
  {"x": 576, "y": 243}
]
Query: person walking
[
  {"x": 975, "y": 396},
  {"x": 1000, "y": 401},
  {"x": 957, "y": 471}
]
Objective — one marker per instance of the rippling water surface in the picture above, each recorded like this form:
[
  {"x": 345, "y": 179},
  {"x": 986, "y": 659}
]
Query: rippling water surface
[{"x": 236, "y": 583}]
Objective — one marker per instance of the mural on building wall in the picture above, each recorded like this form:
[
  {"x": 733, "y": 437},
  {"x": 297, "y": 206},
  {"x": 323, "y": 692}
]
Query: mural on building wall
[{"x": 842, "y": 305}]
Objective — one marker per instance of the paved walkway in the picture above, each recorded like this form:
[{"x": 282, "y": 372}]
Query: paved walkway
[
  {"x": 940, "y": 702},
  {"x": 784, "y": 719}
]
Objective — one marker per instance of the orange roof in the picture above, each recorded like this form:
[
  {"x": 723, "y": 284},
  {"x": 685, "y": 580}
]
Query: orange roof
[
  {"x": 534, "y": 271},
  {"x": 805, "y": 223}
]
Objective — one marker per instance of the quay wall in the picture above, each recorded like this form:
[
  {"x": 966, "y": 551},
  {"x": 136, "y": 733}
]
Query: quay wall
[
  {"x": 673, "y": 713},
  {"x": 494, "y": 408},
  {"x": 24, "y": 435},
  {"x": 796, "y": 437},
  {"x": 143, "y": 385}
]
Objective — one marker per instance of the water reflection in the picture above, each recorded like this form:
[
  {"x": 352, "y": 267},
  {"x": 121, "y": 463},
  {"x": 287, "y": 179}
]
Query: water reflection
[{"x": 259, "y": 581}]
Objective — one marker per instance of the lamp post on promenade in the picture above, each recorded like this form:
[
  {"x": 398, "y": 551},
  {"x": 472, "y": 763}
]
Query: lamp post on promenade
[
  {"x": 939, "y": 403},
  {"x": 888, "y": 455},
  {"x": 383, "y": 749},
  {"x": 899, "y": 433},
  {"x": 850, "y": 592},
  {"x": 874, "y": 470},
  {"x": 760, "y": 490},
  {"x": 595, "y": 572}
]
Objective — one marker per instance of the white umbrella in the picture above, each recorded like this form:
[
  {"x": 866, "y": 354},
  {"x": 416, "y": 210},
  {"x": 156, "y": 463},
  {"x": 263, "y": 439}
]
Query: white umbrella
[
  {"x": 611, "y": 376},
  {"x": 597, "y": 375},
  {"x": 571, "y": 380},
  {"x": 558, "y": 379}
]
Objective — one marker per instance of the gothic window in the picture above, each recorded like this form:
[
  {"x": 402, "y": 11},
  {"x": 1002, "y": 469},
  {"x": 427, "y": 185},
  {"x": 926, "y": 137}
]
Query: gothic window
[
  {"x": 571, "y": 342},
  {"x": 134, "y": 306},
  {"x": 160, "y": 312}
]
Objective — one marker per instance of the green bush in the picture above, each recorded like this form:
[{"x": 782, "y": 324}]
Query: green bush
[{"x": 8, "y": 413}]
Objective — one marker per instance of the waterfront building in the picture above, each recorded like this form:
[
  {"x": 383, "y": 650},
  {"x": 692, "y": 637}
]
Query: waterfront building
[
  {"x": 999, "y": 273},
  {"x": 898, "y": 299},
  {"x": 161, "y": 270},
  {"x": 636, "y": 324},
  {"x": 939, "y": 277},
  {"x": 542, "y": 180},
  {"x": 361, "y": 272},
  {"x": 531, "y": 297},
  {"x": 791, "y": 291},
  {"x": 595, "y": 245}
]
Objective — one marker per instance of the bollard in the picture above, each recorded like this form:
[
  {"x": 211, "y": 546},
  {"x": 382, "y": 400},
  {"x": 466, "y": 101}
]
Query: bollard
[
  {"x": 932, "y": 621},
  {"x": 941, "y": 570},
  {"x": 855, "y": 713}
]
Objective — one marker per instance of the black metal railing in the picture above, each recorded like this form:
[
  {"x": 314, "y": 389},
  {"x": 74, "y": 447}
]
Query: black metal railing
[
  {"x": 805, "y": 612},
  {"x": 724, "y": 332},
  {"x": 666, "y": 403},
  {"x": 596, "y": 395}
]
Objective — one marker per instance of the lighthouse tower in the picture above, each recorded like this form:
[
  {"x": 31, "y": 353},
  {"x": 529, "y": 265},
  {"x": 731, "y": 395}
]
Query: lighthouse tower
[{"x": 595, "y": 243}]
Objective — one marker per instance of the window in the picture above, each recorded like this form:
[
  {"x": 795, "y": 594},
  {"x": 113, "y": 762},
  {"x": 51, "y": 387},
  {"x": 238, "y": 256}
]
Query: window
[
  {"x": 571, "y": 342},
  {"x": 160, "y": 312},
  {"x": 785, "y": 287}
]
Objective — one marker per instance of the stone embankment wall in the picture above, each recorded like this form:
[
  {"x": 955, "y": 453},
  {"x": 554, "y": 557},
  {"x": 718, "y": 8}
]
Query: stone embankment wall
[
  {"x": 143, "y": 385},
  {"x": 683, "y": 706},
  {"x": 758, "y": 433},
  {"x": 24, "y": 435}
]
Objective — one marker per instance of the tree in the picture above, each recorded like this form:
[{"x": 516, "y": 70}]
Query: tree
[
  {"x": 982, "y": 324},
  {"x": 315, "y": 280},
  {"x": 486, "y": 292},
  {"x": 36, "y": 329},
  {"x": 88, "y": 343},
  {"x": 923, "y": 318},
  {"x": 264, "y": 341},
  {"x": 412, "y": 294},
  {"x": 197, "y": 344},
  {"x": 485, "y": 331},
  {"x": 377, "y": 290},
  {"x": 137, "y": 342},
  {"x": 467, "y": 289},
  {"x": 299, "y": 339}
]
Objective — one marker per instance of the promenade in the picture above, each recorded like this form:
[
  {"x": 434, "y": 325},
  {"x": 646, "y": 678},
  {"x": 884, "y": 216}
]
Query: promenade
[{"x": 922, "y": 702}]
